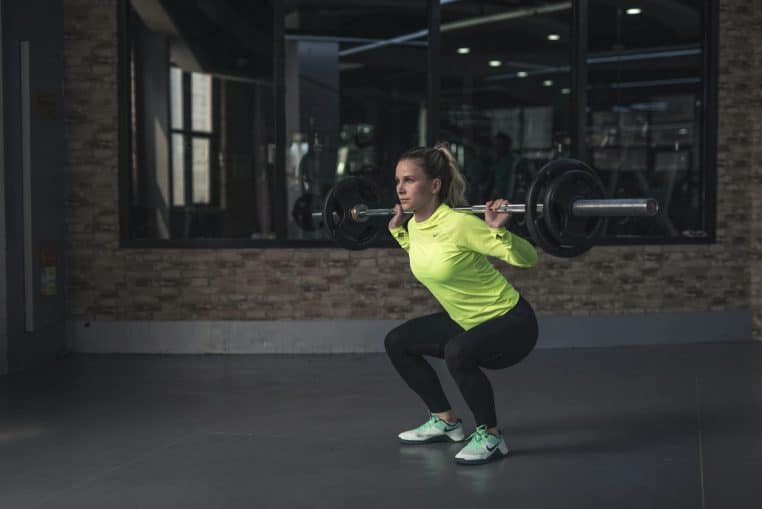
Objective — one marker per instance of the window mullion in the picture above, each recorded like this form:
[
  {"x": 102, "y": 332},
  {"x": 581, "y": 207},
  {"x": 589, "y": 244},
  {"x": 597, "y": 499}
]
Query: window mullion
[
  {"x": 188, "y": 139},
  {"x": 579, "y": 31},
  {"x": 433, "y": 11}
]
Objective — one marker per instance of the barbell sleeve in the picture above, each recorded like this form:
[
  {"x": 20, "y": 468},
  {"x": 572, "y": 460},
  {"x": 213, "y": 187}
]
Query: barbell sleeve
[
  {"x": 589, "y": 208},
  {"x": 619, "y": 207}
]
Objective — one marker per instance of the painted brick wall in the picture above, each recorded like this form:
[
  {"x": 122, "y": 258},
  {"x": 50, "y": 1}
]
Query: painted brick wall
[{"x": 110, "y": 283}]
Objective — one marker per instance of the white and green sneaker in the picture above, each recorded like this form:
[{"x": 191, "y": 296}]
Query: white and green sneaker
[
  {"x": 434, "y": 430},
  {"x": 481, "y": 448}
]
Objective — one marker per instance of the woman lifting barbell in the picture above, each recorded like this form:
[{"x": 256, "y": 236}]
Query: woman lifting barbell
[{"x": 486, "y": 323}]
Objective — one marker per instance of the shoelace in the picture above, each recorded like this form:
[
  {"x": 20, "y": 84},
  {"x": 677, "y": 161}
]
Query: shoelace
[
  {"x": 426, "y": 425},
  {"x": 478, "y": 437}
]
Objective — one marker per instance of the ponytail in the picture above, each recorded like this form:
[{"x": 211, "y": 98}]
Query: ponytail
[
  {"x": 455, "y": 193},
  {"x": 438, "y": 162}
]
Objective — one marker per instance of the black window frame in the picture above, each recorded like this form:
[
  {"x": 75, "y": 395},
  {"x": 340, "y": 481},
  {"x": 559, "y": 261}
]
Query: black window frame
[{"x": 579, "y": 71}]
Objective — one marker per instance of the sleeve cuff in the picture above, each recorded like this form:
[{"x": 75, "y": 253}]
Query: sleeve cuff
[
  {"x": 500, "y": 233},
  {"x": 398, "y": 232}
]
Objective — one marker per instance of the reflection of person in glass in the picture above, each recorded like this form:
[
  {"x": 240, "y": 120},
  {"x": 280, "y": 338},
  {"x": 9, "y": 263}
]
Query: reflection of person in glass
[
  {"x": 503, "y": 168},
  {"x": 477, "y": 164},
  {"x": 485, "y": 322}
]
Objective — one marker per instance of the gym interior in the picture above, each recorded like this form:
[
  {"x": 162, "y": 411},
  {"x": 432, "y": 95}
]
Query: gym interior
[{"x": 194, "y": 312}]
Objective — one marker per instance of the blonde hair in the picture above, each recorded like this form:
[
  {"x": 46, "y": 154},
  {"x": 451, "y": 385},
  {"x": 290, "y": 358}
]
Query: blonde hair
[{"x": 438, "y": 162}]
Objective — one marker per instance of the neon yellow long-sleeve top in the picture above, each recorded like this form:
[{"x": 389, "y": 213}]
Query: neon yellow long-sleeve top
[{"x": 448, "y": 255}]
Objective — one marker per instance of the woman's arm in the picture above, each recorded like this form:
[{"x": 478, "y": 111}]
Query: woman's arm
[
  {"x": 400, "y": 235},
  {"x": 474, "y": 234},
  {"x": 397, "y": 228}
]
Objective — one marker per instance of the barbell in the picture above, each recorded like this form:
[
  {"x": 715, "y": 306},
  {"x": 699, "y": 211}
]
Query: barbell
[{"x": 566, "y": 209}]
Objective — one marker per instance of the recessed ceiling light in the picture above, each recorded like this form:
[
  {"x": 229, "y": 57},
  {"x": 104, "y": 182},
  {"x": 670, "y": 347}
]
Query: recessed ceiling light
[
  {"x": 554, "y": 37},
  {"x": 547, "y": 83},
  {"x": 633, "y": 11},
  {"x": 566, "y": 91},
  {"x": 464, "y": 51},
  {"x": 495, "y": 63},
  {"x": 522, "y": 74}
]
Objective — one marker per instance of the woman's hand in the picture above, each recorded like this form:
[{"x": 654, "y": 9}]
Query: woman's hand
[
  {"x": 399, "y": 217},
  {"x": 496, "y": 219}
]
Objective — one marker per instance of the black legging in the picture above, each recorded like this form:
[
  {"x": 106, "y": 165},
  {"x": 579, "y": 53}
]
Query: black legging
[{"x": 494, "y": 344}]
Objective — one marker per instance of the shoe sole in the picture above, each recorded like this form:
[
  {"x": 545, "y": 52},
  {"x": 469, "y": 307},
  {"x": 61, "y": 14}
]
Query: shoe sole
[
  {"x": 439, "y": 438},
  {"x": 498, "y": 454}
]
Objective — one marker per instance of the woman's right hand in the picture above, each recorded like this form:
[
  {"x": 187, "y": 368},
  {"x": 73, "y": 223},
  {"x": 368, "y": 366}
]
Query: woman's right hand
[{"x": 399, "y": 217}]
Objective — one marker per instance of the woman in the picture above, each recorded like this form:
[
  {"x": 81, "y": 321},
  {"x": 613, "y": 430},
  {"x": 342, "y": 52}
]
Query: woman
[{"x": 485, "y": 323}]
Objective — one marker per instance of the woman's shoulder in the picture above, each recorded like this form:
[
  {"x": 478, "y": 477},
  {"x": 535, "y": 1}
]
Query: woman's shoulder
[{"x": 464, "y": 218}]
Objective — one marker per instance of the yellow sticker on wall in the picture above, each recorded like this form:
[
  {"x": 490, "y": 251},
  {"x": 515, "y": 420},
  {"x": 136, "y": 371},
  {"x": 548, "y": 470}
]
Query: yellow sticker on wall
[
  {"x": 48, "y": 281},
  {"x": 48, "y": 263}
]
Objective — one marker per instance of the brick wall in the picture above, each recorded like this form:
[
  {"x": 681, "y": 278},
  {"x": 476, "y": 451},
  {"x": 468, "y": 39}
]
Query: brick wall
[
  {"x": 130, "y": 284},
  {"x": 755, "y": 161}
]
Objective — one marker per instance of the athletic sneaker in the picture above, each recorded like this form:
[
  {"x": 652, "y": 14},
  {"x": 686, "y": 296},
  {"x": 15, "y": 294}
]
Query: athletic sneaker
[
  {"x": 482, "y": 447},
  {"x": 434, "y": 430}
]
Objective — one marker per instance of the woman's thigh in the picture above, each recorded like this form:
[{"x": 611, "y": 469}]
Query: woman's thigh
[
  {"x": 500, "y": 342},
  {"x": 425, "y": 335}
]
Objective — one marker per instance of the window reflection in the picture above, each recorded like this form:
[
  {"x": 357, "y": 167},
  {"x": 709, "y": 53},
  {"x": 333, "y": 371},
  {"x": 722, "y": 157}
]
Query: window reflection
[
  {"x": 505, "y": 93},
  {"x": 202, "y": 116},
  {"x": 201, "y": 101},
  {"x": 191, "y": 164},
  {"x": 645, "y": 111},
  {"x": 201, "y": 127},
  {"x": 355, "y": 95},
  {"x": 178, "y": 169},
  {"x": 201, "y": 166}
]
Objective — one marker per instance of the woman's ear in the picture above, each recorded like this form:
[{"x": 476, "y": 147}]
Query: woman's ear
[{"x": 436, "y": 185}]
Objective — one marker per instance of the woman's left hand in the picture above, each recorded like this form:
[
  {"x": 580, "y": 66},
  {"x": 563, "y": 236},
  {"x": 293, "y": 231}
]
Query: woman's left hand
[{"x": 496, "y": 219}]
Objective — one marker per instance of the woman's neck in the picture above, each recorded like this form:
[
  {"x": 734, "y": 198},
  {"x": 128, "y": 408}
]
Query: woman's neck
[{"x": 426, "y": 211}]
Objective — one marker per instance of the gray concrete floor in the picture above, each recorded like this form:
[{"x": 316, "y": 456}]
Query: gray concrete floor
[{"x": 648, "y": 427}]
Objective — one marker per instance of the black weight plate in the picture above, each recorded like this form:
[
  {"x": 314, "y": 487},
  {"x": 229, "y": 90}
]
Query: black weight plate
[
  {"x": 563, "y": 191},
  {"x": 347, "y": 232},
  {"x": 534, "y": 221},
  {"x": 304, "y": 206},
  {"x": 537, "y": 223}
]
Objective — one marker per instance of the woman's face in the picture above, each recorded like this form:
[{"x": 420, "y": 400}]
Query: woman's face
[{"x": 414, "y": 188}]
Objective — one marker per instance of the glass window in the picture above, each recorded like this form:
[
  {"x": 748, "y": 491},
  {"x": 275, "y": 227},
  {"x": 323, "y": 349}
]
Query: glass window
[
  {"x": 505, "y": 96},
  {"x": 645, "y": 111},
  {"x": 201, "y": 79},
  {"x": 355, "y": 95},
  {"x": 178, "y": 169},
  {"x": 352, "y": 92}
]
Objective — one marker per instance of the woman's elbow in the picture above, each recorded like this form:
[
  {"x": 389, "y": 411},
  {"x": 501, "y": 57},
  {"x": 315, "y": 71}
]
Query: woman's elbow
[{"x": 530, "y": 260}]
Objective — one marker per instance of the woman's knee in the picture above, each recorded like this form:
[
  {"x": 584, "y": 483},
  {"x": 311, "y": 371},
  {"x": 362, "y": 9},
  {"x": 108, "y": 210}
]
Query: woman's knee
[
  {"x": 394, "y": 343},
  {"x": 457, "y": 357}
]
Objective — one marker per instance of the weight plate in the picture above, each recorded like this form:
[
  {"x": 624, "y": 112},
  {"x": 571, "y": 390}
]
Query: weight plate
[
  {"x": 339, "y": 201},
  {"x": 552, "y": 239},
  {"x": 563, "y": 191},
  {"x": 304, "y": 206}
]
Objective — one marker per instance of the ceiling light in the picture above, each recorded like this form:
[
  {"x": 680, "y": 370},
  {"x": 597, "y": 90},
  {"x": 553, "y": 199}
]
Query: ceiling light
[
  {"x": 554, "y": 37},
  {"x": 633, "y": 11},
  {"x": 566, "y": 91},
  {"x": 522, "y": 74},
  {"x": 547, "y": 83},
  {"x": 495, "y": 63},
  {"x": 464, "y": 51}
]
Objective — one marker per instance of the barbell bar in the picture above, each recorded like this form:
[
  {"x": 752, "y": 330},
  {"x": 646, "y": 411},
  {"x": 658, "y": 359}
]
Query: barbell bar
[
  {"x": 621, "y": 207},
  {"x": 565, "y": 213}
]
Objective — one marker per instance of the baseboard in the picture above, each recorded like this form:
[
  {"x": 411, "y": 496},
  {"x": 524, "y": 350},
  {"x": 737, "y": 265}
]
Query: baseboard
[{"x": 358, "y": 336}]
